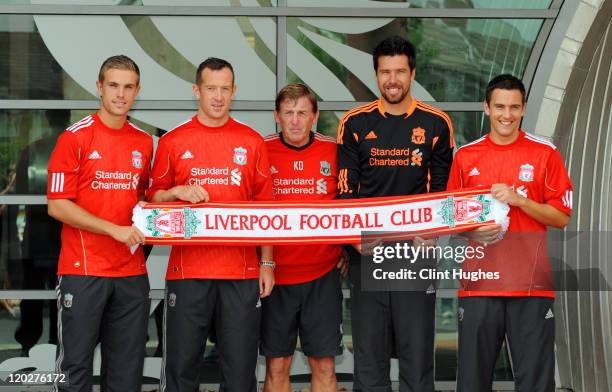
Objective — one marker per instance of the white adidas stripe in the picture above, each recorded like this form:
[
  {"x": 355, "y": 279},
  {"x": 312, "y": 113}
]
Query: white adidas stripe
[
  {"x": 472, "y": 143},
  {"x": 536, "y": 139},
  {"x": 240, "y": 122},
  {"x": 178, "y": 126},
  {"x": 85, "y": 125},
  {"x": 80, "y": 122},
  {"x": 139, "y": 129},
  {"x": 57, "y": 182},
  {"x": 162, "y": 378},
  {"x": 568, "y": 199},
  {"x": 60, "y": 330}
]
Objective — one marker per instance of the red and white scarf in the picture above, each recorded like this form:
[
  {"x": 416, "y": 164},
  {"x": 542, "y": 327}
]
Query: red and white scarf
[{"x": 318, "y": 222}]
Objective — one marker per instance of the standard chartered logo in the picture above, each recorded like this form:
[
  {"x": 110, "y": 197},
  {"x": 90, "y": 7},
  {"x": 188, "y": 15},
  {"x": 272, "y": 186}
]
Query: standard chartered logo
[
  {"x": 299, "y": 186},
  {"x": 321, "y": 186},
  {"x": 236, "y": 177},
  {"x": 115, "y": 180},
  {"x": 215, "y": 176}
]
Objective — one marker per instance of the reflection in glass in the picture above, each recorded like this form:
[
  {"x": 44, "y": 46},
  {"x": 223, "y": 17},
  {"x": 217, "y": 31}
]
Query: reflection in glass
[
  {"x": 29, "y": 260},
  {"x": 533, "y": 4},
  {"x": 455, "y": 57},
  {"x": 34, "y": 238},
  {"x": 38, "y": 64}
]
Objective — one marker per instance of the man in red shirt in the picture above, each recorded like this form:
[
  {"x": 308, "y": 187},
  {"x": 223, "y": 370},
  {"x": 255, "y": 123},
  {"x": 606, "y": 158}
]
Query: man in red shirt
[
  {"x": 307, "y": 298},
  {"x": 213, "y": 157},
  {"x": 528, "y": 173},
  {"x": 97, "y": 173}
]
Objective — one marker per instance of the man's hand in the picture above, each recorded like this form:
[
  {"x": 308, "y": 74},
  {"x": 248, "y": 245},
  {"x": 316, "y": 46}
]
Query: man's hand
[
  {"x": 485, "y": 235},
  {"x": 190, "y": 193},
  {"x": 343, "y": 263},
  {"x": 367, "y": 248},
  {"x": 504, "y": 193},
  {"x": 424, "y": 242},
  {"x": 266, "y": 281},
  {"x": 129, "y": 235}
]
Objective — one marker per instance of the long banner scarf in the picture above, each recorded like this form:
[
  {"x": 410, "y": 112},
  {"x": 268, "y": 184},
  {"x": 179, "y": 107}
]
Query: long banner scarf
[{"x": 318, "y": 222}]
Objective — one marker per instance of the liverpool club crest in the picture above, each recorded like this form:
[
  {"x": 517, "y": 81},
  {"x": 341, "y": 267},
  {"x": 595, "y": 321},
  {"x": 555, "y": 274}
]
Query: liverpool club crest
[
  {"x": 68, "y": 300},
  {"x": 458, "y": 210},
  {"x": 526, "y": 173},
  {"x": 325, "y": 168},
  {"x": 418, "y": 135},
  {"x": 137, "y": 159},
  {"x": 164, "y": 222},
  {"x": 240, "y": 156}
]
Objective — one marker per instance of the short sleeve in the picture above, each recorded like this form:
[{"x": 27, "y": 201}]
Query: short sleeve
[
  {"x": 558, "y": 189},
  {"x": 63, "y": 168},
  {"x": 162, "y": 174},
  {"x": 262, "y": 183},
  {"x": 143, "y": 182},
  {"x": 455, "y": 181}
]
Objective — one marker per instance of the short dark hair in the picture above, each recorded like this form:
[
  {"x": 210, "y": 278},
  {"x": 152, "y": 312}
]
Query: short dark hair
[
  {"x": 118, "y": 62},
  {"x": 295, "y": 91},
  {"x": 214, "y": 64},
  {"x": 504, "y": 82},
  {"x": 395, "y": 46}
]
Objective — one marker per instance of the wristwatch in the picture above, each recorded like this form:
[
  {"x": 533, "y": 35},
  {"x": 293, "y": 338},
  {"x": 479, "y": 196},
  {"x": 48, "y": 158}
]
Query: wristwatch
[{"x": 267, "y": 263}]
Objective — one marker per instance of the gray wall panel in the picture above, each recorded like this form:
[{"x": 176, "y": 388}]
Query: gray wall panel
[{"x": 584, "y": 135}]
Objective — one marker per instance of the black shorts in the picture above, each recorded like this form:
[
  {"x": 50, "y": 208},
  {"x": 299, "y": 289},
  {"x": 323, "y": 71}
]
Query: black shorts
[{"x": 312, "y": 309}]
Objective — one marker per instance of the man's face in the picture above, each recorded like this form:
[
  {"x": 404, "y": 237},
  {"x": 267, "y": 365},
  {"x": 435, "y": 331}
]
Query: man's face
[
  {"x": 118, "y": 91},
  {"x": 215, "y": 92},
  {"x": 394, "y": 77},
  {"x": 296, "y": 119},
  {"x": 505, "y": 110}
]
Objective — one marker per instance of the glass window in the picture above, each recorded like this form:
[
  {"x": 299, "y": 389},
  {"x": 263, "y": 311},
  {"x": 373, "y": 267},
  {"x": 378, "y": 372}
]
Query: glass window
[
  {"x": 25, "y": 324},
  {"x": 29, "y": 247},
  {"x": 38, "y": 63},
  {"x": 534, "y": 4},
  {"x": 455, "y": 57},
  {"x": 208, "y": 3}
]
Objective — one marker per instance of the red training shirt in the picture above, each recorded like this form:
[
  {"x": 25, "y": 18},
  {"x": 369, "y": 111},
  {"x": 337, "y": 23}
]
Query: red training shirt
[
  {"x": 104, "y": 171},
  {"x": 303, "y": 173},
  {"x": 231, "y": 163},
  {"x": 533, "y": 168}
]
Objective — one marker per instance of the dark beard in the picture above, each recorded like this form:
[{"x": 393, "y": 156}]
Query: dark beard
[{"x": 393, "y": 102}]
